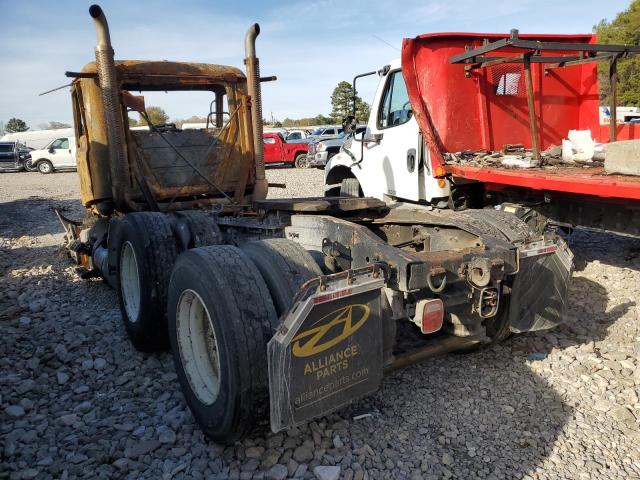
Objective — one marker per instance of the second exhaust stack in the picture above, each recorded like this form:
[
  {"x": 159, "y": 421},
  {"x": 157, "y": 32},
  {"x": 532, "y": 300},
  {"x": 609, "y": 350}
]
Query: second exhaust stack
[{"x": 253, "y": 85}]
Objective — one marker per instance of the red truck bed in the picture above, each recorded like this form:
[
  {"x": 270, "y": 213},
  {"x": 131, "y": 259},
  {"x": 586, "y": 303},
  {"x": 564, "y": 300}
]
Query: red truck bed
[{"x": 461, "y": 109}]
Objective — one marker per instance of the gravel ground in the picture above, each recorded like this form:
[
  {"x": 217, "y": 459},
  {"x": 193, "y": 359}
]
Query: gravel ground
[{"x": 78, "y": 401}]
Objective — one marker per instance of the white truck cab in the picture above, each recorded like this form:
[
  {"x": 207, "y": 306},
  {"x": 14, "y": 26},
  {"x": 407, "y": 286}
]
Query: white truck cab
[
  {"x": 59, "y": 154},
  {"x": 392, "y": 161}
]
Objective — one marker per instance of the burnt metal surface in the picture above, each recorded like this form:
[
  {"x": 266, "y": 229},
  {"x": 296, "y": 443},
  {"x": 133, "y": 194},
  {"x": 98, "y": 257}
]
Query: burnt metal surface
[
  {"x": 411, "y": 270},
  {"x": 321, "y": 204},
  {"x": 163, "y": 172}
]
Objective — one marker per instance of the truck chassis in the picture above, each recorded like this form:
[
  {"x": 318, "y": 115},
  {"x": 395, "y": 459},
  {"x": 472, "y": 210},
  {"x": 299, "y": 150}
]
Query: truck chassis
[{"x": 293, "y": 306}]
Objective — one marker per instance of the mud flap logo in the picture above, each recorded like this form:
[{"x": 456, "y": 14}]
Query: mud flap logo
[
  {"x": 332, "y": 356},
  {"x": 351, "y": 318}
]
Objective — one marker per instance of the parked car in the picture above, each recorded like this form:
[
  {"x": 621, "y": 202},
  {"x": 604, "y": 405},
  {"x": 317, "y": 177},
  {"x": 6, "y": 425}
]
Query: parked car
[
  {"x": 322, "y": 149},
  {"x": 278, "y": 150},
  {"x": 297, "y": 134},
  {"x": 13, "y": 155},
  {"x": 60, "y": 154},
  {"x": 329, "y": 131}
]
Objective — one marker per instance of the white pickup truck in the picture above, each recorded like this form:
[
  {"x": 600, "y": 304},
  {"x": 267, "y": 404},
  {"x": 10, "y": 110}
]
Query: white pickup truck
[{"x": 59, "y": 154}]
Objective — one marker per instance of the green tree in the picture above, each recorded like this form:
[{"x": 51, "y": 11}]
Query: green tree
[
  {"x": 157, "y": 116},
  {"x": 55, "y": 125},
  {"x": 15, "y": 125},
  {"x": 133, "y": 122},
  {"x": 342, "y": 103},
  {"x": 625, "y": 28}
]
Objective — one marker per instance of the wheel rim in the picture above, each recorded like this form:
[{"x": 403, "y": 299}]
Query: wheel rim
[
  {"x": 44, "y": 167},
  {"x": 130, "y": 281},
  {"x": 198, "y": 347},
  {"x": 301, "y": 162}
]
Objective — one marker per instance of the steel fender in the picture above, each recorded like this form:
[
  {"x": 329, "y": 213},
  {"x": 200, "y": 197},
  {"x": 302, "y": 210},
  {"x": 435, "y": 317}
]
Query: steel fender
[{"x": 335, "y": 163}]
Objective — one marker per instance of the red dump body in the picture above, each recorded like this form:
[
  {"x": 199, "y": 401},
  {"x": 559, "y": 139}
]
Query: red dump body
[{"x": 488, "y": 109}]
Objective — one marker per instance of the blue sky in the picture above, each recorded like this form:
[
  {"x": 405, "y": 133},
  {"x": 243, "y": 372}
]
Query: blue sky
[{"x": 310, "y": 45}]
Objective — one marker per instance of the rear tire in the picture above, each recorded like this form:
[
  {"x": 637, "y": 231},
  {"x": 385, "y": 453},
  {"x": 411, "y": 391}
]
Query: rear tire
[
  {"x": 30, "y": 166},
  {"x": 350, "y": 187},
  {"x": 285, "y": 267},
  {"x": 146, "y": 251},
  {"x": 220, "y": 320},
  {"x": 301, "y": 161},
  {"x": 44, "y": 166}
]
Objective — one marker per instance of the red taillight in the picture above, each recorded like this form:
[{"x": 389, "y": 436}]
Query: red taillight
[{"x": 429, "y": 315}]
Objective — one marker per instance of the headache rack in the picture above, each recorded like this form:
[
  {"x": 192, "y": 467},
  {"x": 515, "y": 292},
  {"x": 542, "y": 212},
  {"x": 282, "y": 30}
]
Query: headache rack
[{"x": 534, "y": 52}]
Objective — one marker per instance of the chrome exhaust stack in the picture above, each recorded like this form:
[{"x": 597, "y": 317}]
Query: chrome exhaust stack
[
  {"x": 112, "y": 111},
  {"x": 253, "y": 85}
]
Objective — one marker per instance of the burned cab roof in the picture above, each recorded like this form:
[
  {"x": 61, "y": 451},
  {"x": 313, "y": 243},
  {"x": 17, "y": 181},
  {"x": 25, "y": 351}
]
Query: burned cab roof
[{"x": 162, "y": 75}]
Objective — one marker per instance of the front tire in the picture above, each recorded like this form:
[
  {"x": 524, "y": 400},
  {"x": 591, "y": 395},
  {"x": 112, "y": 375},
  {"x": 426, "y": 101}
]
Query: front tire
[
  {"x": 220, "y": 320},
  {"x": 30, "y": 166},
  {"x": 146, "y": 251},
  {"x": 301, "y": 161},
  {"x": 44, "y": 166},
  {"x": 350, "y": 187}
]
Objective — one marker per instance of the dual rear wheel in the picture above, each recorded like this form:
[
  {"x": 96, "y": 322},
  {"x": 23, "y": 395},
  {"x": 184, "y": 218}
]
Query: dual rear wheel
[{"x": 216, "y": 307}]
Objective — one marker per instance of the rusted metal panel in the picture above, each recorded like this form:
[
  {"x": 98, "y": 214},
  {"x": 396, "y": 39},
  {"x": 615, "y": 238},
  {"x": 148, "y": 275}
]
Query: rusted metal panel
[
  {"x": 224, "y": 155},
  {"x": 180, "y": 73}
]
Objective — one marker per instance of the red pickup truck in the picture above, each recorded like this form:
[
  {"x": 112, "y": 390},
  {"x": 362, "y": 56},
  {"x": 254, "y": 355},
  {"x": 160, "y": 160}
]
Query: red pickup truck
[{"x": 278, "y": 150}]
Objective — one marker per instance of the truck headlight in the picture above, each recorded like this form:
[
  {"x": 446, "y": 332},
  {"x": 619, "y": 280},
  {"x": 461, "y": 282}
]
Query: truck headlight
[{"x": 321, "y": 147}]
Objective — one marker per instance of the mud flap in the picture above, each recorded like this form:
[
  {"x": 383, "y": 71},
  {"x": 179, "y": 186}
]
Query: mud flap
[
  {"x": 540, "y": 291},
  {"x": 327, "y": 351}
]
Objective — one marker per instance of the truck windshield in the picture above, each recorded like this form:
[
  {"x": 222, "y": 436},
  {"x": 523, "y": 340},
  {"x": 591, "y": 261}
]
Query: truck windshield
[{"x": 184, "y": 109}]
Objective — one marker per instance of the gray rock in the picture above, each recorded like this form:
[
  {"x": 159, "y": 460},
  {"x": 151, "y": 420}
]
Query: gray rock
[
  {"x": 69, "y": 419},
  {"x": 61, "y": 353},
  {"x": 141, "y": 448},
  {"x": 15, "y": 411},
  {"x": 37, "y": 305},
  {"x": 84, "y": 407},
  {"x": 277, "y": 472},
  {"x": 167, "y": 435},
  {"x": 303, "y": 454},
  {"x": 99, "y": 363},
  {"x": 623, "y": 415},
  {"x": 326, "y": 472},
  {"x": 62, "y": 378},
  {"x": 29, "y": 473},
  {"x": 254, "y": 452},
  {"x": 24, "y": 321}
]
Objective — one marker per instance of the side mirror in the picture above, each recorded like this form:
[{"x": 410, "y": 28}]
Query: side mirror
[
  {"x": 51, "y": 150},
  {"x": 349, "y": 124},
  {"x": 372, "y": 137}
]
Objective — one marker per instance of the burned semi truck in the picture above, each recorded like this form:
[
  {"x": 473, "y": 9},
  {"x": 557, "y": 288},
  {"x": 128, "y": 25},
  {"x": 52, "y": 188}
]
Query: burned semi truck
[{"x": 280, "y": 309}]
